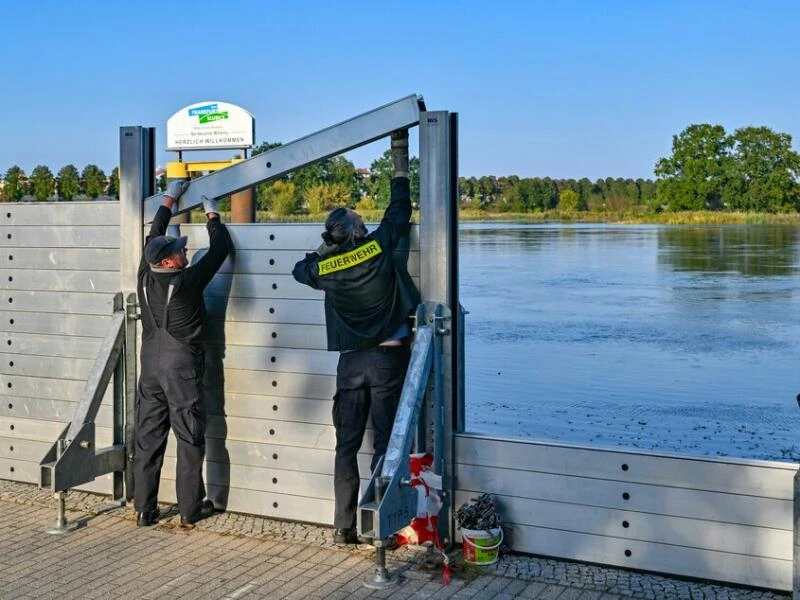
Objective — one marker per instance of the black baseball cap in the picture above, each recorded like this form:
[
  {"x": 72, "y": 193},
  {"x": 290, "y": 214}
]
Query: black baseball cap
[{"x": 162, "y": 246}]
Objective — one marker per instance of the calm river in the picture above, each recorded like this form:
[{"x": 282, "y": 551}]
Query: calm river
[{"x": 678, "y": 339}]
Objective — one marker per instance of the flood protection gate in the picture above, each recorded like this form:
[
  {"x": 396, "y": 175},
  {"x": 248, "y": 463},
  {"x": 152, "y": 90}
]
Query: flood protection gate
[{"x": 68, "y": 374}]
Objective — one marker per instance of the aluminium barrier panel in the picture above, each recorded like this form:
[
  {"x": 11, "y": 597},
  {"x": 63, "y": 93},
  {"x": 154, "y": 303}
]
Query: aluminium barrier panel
[
  {"x": 59, "y": 272},
  {"x": 711, "y": 518},
  {"x": 269, "y": 378}
]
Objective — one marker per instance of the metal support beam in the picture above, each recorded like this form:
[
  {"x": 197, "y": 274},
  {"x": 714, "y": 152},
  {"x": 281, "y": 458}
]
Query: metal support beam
[
  {"x": 439, "y": 284},
  {"x": 389, "y": 501},
  {"x": 131, "y": 356},
  {"x": 380, "y": 518},
  {"x": 73, "y": 458},
  {"x": 137, "y": 181},
  {"x": 355, "y": 132}
]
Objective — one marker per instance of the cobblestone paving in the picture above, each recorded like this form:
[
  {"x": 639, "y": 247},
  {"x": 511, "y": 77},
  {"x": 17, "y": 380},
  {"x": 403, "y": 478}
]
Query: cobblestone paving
[{"x": 231, "y": 556}]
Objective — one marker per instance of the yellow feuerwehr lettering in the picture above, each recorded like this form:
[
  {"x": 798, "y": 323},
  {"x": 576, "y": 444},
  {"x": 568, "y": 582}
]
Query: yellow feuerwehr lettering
[{"x": 349, "y": 259}]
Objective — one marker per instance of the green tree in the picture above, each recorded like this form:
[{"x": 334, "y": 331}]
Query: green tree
[
  {"x": 379, "y": 184},
  {"x": 467, "y": 189},
  {"x": 264, "y": 147},
  {"x": 69, "y": 182},
  {"x": 113, "y": 183},
  {"x": 539, "y": 193},
  {"x": 42, "y": 182},
  {"x": 263, "y": 190},
  {"x": 569, "y": 200},
  {"x": 766, "y": 171},
  {"x": 333, "y": 171},
  {"x": 93, "y": 181},
  {"x": 647, "y": 193},
  {"x": 15, "y": 184},
  {"x": 509, "y": 197},
  {"x": 323, "y": 197},
  {"x": 695, "y": 176},
  {"x": 282, "y": 198}
]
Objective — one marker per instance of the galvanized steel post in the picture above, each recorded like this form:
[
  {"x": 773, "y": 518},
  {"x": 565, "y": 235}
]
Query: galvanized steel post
[
  {"x": 136, "y": 182},
  {"x": 439, "y": 283}
]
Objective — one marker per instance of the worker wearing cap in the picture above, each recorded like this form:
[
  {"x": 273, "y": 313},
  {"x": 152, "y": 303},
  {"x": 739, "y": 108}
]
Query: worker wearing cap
[
  {"x": 170, "y": 392},
  {"x": 368, "y": 298}
]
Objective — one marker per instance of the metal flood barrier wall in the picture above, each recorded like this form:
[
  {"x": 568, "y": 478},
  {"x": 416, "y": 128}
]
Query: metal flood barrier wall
[
  {"x": 269, "y": 378},
  {"x": 721, "y": 519},
  {"x": 60, "y": 273},
  {"x": 270, "y": 439}
]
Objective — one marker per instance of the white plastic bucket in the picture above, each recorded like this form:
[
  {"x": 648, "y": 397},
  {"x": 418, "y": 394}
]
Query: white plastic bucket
[{"x": 481, "y": 547}]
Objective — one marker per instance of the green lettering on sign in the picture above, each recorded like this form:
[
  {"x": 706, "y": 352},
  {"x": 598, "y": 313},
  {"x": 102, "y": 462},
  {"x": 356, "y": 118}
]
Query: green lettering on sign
[{"x": 211, "y": 117}]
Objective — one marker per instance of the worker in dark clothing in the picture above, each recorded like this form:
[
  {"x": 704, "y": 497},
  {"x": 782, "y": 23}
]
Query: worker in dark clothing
[
  {"x": 368, "y": 299},
  {"x": 171, "y": 382}
]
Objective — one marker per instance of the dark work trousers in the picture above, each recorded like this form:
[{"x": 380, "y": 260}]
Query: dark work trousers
[
  {"x": 170, "y": 393},
  {"x": 368, "y": 382}
]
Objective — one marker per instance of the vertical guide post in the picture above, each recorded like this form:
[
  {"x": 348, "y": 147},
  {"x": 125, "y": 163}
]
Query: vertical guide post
[
  {"x": 118, "y": 414},
  {"x": 457, "y": 311},
  {"x": 438, "y": 239},
  {"x": 136, "y": 182}
]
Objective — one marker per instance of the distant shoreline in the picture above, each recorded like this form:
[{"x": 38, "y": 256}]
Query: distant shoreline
[{"x": 623, "y": 217}]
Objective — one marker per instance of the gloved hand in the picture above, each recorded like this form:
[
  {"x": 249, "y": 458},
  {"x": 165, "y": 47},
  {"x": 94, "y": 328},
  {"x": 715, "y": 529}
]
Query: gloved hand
[
  {"x": 326, "y": 250},
  {"x": 176, "y": 188},
  {"x": 210, "y": 206}
]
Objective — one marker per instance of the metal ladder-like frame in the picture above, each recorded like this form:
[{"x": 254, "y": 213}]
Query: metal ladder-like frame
[
  {"x": 73, "y": 459},
  {"x": 389, "y": 502}
]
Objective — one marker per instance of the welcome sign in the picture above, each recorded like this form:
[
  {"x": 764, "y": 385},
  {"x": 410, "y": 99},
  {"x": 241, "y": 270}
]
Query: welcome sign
[{"x": 210, "y": 126}]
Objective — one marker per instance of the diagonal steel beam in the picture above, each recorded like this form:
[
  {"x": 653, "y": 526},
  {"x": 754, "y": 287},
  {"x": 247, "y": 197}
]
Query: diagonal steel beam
[{"x": 355, "y": 132}]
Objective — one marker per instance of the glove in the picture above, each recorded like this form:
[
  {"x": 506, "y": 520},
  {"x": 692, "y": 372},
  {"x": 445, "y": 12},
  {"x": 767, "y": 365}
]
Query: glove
[
  {"x": 175, "y": 189},
  {"x": 210, "y": 206},
  {"x": 326, "y": 250}
]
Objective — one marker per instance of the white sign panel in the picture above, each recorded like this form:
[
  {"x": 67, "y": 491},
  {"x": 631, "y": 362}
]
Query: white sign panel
[{"x": 210, "y": 126}]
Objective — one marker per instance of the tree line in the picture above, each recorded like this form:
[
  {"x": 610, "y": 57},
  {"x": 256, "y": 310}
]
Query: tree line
[
  {"x": 67, "y": 184},
  {"x": 753, "y": 169}
]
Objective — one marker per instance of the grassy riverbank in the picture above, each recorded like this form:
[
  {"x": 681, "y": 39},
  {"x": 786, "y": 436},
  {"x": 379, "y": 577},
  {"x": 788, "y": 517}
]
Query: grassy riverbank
[
  {"x": 634, "y": 217},
  {"x": 623, "y": 217}
]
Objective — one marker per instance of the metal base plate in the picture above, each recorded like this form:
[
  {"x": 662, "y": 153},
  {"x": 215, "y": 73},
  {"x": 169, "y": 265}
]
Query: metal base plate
[
  {"x": 65, "y": 528},
  {"x": 380, "y": 580}
]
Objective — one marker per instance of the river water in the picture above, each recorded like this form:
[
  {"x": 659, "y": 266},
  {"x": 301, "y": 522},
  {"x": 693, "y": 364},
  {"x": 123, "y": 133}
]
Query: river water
[{"x": 677, "y": 339}]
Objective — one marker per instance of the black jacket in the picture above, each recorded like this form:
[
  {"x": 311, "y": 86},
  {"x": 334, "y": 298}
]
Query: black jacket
[
  {"x": 187, "y": 312},
  {"x": 368, "y": 296}
]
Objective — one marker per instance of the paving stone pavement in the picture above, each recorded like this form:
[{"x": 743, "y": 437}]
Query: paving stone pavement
[{"x": 231, "y": 556}]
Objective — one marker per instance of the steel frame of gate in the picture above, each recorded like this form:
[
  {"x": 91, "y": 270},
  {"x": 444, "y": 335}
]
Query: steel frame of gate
[{"x": 443, "y": 408}]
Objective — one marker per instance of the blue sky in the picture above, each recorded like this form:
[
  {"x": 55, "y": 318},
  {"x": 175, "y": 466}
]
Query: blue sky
[{"x": 566, "y": 89}]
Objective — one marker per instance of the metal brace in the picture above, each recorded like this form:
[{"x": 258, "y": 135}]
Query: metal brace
[
  {"x": 73, "y": 460},
  {"x": 389, "y": 502}
]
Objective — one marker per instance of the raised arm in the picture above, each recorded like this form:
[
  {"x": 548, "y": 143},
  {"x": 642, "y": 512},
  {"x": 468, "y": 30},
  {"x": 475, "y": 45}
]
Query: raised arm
[
  {"x": 220, "y": 245},
  {"x": 163, "y": 215}
]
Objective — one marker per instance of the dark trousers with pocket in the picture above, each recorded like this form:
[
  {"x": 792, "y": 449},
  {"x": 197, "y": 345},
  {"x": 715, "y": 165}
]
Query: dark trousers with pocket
[
  {"x": 170, "y": 394},
  {"x": 368, "y": 383}
]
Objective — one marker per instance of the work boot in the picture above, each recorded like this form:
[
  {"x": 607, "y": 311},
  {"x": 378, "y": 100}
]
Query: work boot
[
  {"x": 147, "y": 518},
  {"x": 400, "y": 152},
  {"x": 205, "y": 511},
  {"x": 345, "y": 536},
  {"x": 349, "y": 536}
]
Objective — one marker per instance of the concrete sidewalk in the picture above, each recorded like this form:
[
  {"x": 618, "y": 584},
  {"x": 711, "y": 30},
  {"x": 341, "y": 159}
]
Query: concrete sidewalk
[{"x": 233, "y": 556}]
